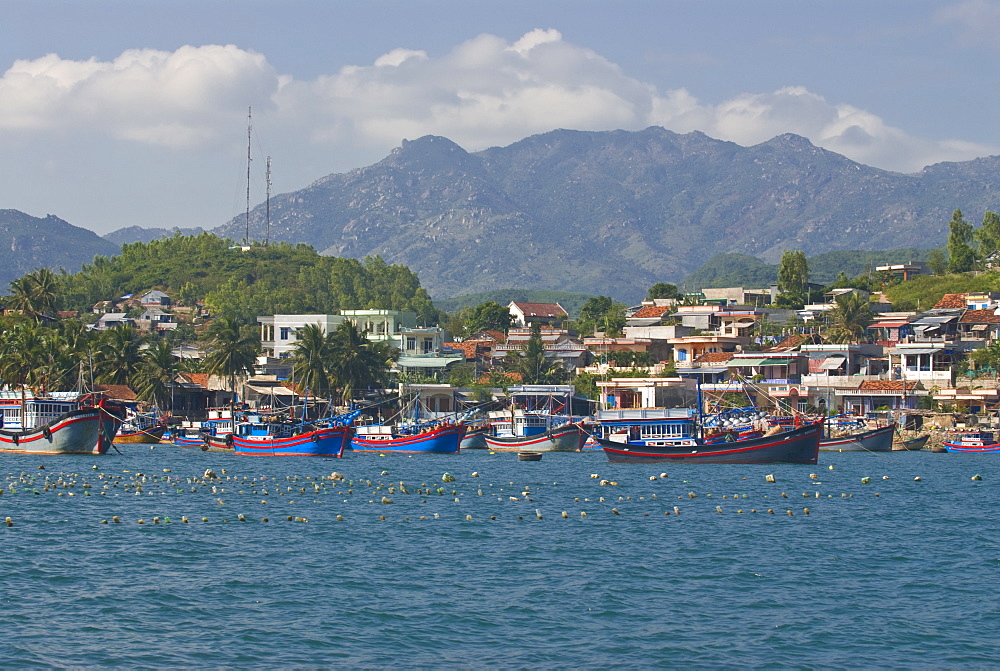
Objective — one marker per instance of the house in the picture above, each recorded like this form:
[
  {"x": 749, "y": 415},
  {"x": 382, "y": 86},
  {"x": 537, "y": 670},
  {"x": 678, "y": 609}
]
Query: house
[
  {"x": 111, "y": 319},
  {"x": 526, "y": 314},
  {"x": 154, "y": 297},
  {"x": 926, "y": 363},
  {"x": 558, "y": 346},
  {"x": 980, "y": 324},
  {"x": 688, "y": 348},
  {"x": 381, "y": 325},
  {"x": 155, "y": 319},
  {"x": 740, "y": 296},
  {"x": 422, "y": 349},
  {"x": 902, "y": 271},
  {"x": 279, "y": 333},
  {"x": 873, "y": 395}
]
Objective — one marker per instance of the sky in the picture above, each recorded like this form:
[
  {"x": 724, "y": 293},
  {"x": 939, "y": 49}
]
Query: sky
[{"x": 118, "y": 113}]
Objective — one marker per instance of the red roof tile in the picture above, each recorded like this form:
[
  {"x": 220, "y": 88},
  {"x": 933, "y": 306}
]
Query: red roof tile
[
  {"x": 540, "y": 309},
  {"x": 714, "y": 357},
  {"x": 649, "y": 311},
  {"x": 886, "y": 385},
  {"x": 197, "y": 378},
  {"x": 951, "y": 301},
  {"x": 980, "y": 317},
  {"x": 117, "y": 392}
]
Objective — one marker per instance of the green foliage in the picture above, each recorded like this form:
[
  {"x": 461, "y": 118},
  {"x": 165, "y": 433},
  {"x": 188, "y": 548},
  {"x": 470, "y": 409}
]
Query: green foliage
[
  {"x": 600, "y": 313},
  {"x": 961, "y": 257},
  {"x": 987, "y": 236},
  {"x": 274, "y": 279},
  {"x": 532, "y": 364},
  {"x": 488, "y": 316},
  {"x": 849, "y": 319},
  {"x": 793, "y": 276},
  {"x": 923, "y": 291},
  {"x": 661, "y": 290}
]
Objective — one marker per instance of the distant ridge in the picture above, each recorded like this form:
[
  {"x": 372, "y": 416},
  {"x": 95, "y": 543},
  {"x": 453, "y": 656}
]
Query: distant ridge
[
  {"x": 129, "y": 234},
  {"x": 611, "y": 213},
  {"x": 27, "y": 243}
]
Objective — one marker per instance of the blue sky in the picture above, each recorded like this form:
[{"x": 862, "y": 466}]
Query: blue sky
[{"x": 118, "y": 113}]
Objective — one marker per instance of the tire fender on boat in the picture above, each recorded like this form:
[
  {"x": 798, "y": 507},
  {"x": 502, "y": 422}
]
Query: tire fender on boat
[
  {"x": 47, "y": 432},
  {"x": 229, "y": 440}
]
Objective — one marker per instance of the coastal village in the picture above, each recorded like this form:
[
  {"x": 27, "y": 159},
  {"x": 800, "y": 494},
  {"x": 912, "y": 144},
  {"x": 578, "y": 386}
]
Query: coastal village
[{"x": 732, "y": 345}]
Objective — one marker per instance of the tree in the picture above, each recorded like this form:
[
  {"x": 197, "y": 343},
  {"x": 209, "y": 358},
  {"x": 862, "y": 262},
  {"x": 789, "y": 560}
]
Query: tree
[
  {"x": 489, "y": 316},
  {"x": 849, "y": 319},
  {"x": 156, "y": 373},
  {"x": 793, "y": 279},
  {"x": 961, "y": 258},
  {"x": 359, "y": 363},
  {"x": 312, "y": 359},
  {"x": 937, "y": 262},
  {"x": 118, "y": 356},
  {"x": 234, "y": 349},
  {"x": 36, "y": 293},
  {"x": 600, "y": 313},
  {"x": 988, "y": 235},
  {"x": 661, "y": 290},
  {"x": 532, "y": 364}
]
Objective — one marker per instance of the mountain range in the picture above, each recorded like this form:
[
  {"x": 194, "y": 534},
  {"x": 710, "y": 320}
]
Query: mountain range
[
  {"x": 27, "y": 243},
  {"x": 607, "y": 213}
]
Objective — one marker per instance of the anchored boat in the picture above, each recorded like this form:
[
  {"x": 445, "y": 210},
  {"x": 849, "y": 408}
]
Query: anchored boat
[{"x": 59, "y": 423}]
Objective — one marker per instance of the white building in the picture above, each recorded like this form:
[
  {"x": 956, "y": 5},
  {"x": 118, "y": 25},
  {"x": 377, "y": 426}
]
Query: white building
[{"x": 279, "y": 333}]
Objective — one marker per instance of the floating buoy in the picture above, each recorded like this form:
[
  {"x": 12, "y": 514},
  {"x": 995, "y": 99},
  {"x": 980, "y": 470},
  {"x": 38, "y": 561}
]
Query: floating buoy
[
  {"x": 241, "y": 518},
  {"x": 917, "y": 479},
  {"x": 885, "y": 477},
  {"x": 677, "y": 511},
  {"x": 813, "y": 476},
  {"x": 116, "y": 520},
  {"x": 447, "y": 477},
  {"x": 865, "y": 480},
  {"x": 768, "y": 478},
  {"x": 340, "y": 518},
  {"x": 184, "y": 520},
  {"x": 652, "y": 477},
  {"x": 565, "y": 514},
  {"x": 977, "y": 477},
  {"x": 805, "y": 511},
  {"x": 9, "y": 522},
  {"x": 615, "y": 511},
  {"x": 718, "y": 509},
  {"x": 475, "y": 474},
  {"x": 538, "y": 513},
  {"x": 663, "y": 475},
  {"x": 830, "y": 467}
]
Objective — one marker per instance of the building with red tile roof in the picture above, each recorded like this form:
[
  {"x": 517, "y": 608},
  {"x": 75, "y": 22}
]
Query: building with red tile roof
[
  {"x": 951, "y": 302},
  {"x": 526, "y": 314},
  {"x": 650, "y": 311}
]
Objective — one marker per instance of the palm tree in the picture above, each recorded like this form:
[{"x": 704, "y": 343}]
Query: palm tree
[
  {"x": 156, "y": 374},
  {"x": 35, "y": 293},
  {"x": 119, "y": 355},
  {"x": 849, "y": 319},
  {"x": 313, "y": 359},
  {"x": 234, "y": 349},
  {"x": 359, "y": 363},
  {"x": 532, "y": 364}
]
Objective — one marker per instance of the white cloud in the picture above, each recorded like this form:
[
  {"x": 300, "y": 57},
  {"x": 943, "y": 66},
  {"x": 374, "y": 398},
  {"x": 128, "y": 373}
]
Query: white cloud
[{"x": 486, "y": 91}]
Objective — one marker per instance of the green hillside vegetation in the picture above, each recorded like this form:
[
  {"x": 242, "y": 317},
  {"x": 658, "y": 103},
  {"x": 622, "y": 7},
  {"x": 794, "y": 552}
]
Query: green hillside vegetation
[
  {"x": 741, "y": 270},
  {"x": 923, "y": 291},
  {"x": 276, "y": 279},
  {"x": 570, "y": 300}
]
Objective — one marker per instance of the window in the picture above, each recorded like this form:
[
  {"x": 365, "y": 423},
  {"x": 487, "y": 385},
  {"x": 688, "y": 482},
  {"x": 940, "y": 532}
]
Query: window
[
  {"x": 285, "y": 331},
  {"x": 411, "y": 343},
  {"x": 428, "y": 345}
]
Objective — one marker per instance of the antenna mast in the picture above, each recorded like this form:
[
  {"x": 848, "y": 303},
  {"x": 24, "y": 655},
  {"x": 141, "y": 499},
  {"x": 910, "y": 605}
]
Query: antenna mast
[
  {"x": 246, "y": 240},
  {"x": 267, "y": 234}
]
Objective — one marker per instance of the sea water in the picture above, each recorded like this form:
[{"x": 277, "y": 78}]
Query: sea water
[{"x": 486, "y": 572}]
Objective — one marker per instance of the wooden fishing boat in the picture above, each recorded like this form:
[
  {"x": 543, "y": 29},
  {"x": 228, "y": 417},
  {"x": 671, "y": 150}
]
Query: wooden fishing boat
[
  {"x": 972, "y": 441},
  {"x": 141, "y": 428},
  {"x": 871, "y": 440},
  {"x": 272, "y": 438},
  {"x": 475, "y": 437},
  {"x": 529, "y": 456},
  {"x": 796, "y": 446},
  {"x": 913, "y": 444},
  {"x": 440, "y": 438},
  {"x": 59, "y": 425},
  {"x": 189, "y": 434},
  {"x": 565, "y": 438}
]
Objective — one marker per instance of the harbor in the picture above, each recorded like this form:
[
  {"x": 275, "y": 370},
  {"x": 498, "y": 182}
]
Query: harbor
[{"x": 817, "y": 563}]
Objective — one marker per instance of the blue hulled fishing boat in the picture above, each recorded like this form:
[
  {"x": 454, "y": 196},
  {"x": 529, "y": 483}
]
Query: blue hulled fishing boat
[
  {"x": 439, "y": 438},
  {"x": 259, "y": 436}
]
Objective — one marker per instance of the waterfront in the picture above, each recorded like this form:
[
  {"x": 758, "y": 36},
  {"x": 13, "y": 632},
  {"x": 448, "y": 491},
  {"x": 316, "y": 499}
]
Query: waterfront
[{"x": 900, "y": 580}]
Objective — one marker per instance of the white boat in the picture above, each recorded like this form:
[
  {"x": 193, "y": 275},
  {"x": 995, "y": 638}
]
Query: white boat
[{"x": 57, "y": 423}]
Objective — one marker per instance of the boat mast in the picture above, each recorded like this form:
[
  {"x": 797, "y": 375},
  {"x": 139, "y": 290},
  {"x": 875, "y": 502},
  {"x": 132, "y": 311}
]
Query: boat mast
[
  {"x": 267, "y": 234},
  {"x": 246, "y": 239}
]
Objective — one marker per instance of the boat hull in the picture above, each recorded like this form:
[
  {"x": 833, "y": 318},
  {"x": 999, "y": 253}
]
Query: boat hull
[
  {"x": 913, "y": 445},
  {"x": 440, "y": 440},
  {"x": 189, "y": 441},
  {"x": 798, "y": 446},
  {"x": 567, "y": 438},
  {"x": 327, "y": 442},
  {"x": 82, "y": 431},
  {"x": 218, "y": 443},
  {"x": 475, "y": 439},
  {"x": 875, "y": 440},
  {"x": 957, "y": 447},
  {"x": 150, "y": 435}
]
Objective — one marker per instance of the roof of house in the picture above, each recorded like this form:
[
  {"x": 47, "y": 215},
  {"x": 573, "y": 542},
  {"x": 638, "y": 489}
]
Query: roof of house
[
  {"x": 490, "y": 336},
  {"x": 117, "y": 392},
  {"x": 714, "y": 357},
  {"x": 197, "y": 378},
  {"x": 950, "y": 301},
  {"x": 540, "y": 309},
  {"x": 794, "y": 341},
  {"x": 650, "y": 311},
  {"x": 887, "y": 385},
  {"x": 470, "y": 348},
  {"x": 980, "y": 317}
]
